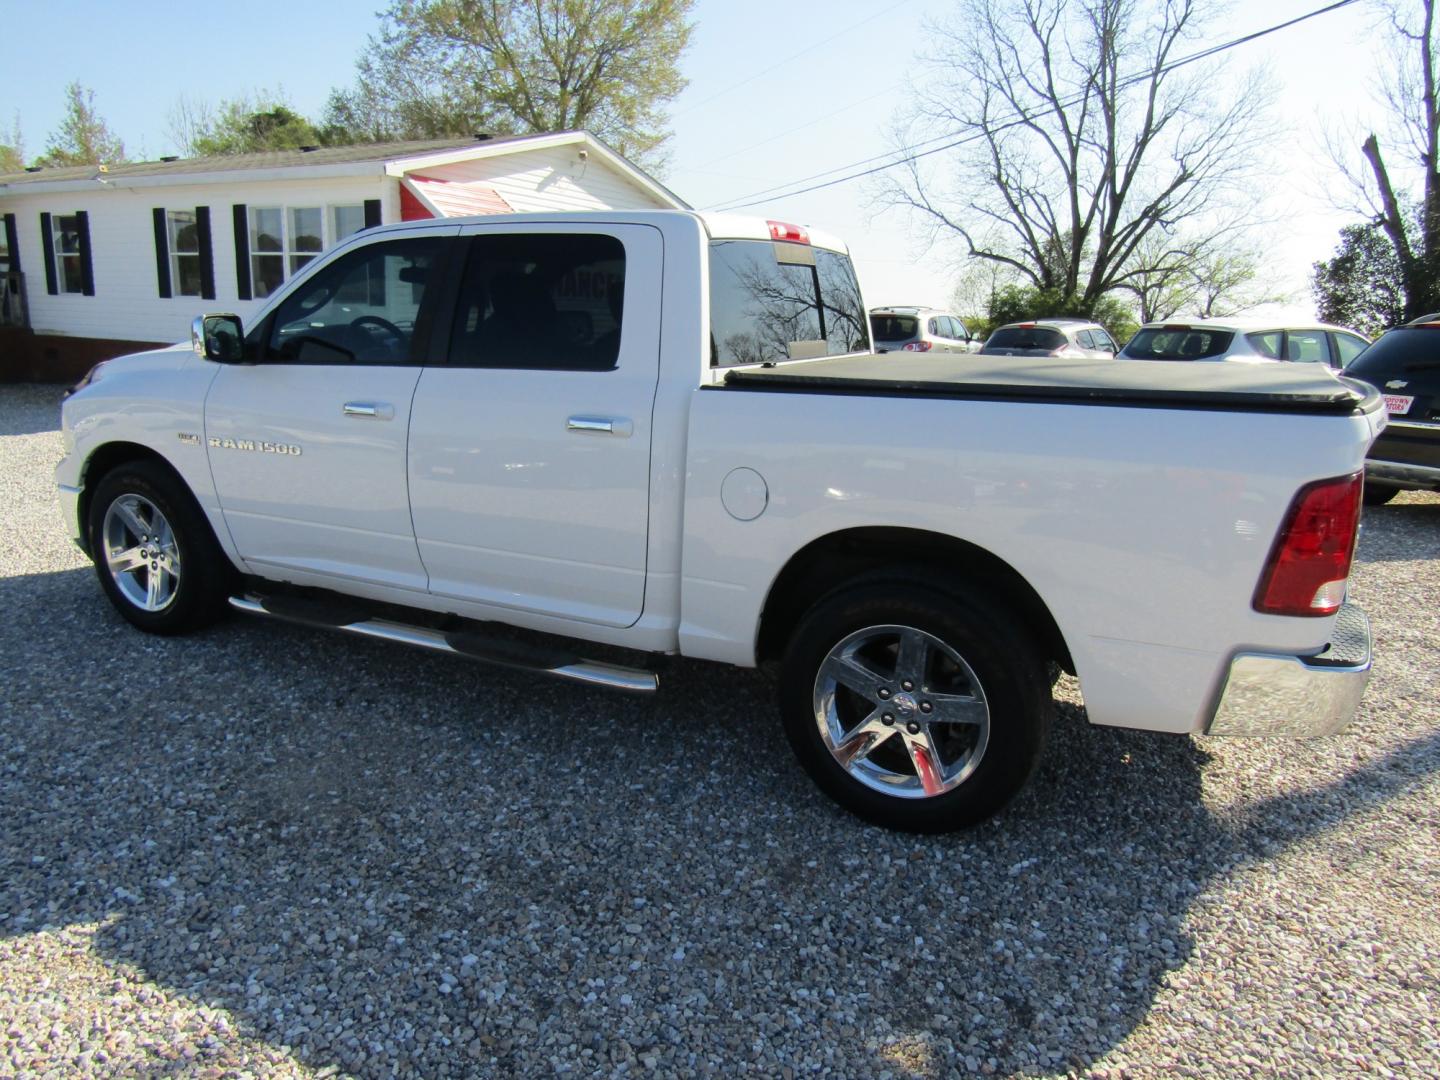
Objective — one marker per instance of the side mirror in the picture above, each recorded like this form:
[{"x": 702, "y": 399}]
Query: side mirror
[{"x": 218, "y": 337}]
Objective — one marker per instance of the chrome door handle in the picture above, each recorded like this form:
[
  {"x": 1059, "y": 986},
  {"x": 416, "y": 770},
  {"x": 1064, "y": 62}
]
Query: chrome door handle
[
  {"x": 369, "y": 410},
  {"x": 600, "y": 425}
]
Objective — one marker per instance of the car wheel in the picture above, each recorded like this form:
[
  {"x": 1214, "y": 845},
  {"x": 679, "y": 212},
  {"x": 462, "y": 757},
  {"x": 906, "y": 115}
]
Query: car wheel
[
  {"x": 915, "y": 707},
  {"x": 1378, "y": 494},
  {"x": 154, "y": 553}
]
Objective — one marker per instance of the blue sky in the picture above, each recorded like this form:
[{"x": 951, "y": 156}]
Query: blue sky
[{"x": 779, "y": 89}]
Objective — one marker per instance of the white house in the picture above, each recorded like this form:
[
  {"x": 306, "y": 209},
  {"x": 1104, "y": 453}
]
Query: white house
[{"x": 102, "y": 261}]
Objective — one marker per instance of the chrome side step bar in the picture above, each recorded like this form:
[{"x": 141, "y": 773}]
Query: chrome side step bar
[{"x": 472, "y": 646}]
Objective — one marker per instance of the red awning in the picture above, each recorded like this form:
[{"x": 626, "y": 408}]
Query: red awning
[{"x": 433, "y": 197}]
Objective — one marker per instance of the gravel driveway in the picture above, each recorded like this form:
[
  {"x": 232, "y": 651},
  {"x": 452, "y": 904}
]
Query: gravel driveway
[{"x": 271, "y": 851}]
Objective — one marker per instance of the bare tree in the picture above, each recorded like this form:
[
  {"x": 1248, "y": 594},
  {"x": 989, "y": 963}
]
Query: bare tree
[
  {"x": 1081, "y": 144},
  {"x": 1409, "y": 92}
]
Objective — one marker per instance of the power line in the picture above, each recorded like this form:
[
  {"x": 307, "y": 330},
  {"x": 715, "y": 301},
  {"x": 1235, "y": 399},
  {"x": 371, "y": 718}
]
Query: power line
[
  {"x": 793, "y": 56},
  {"x": 779, "y": 191}
]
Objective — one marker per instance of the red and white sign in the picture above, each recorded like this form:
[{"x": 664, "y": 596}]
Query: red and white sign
[{"x": 1398, "y": 404}]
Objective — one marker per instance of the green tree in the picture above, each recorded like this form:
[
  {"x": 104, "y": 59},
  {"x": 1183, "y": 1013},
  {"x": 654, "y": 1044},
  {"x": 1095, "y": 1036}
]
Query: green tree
[
  {"x": 248, "y": 124},
  {"x": 83, "y": 138},
  {"x": 1022, "y": 303},
  {"x": 450, "y": 67},
  {"x": 1362, "y": 284},
  {"x": 12, "y": 148}
]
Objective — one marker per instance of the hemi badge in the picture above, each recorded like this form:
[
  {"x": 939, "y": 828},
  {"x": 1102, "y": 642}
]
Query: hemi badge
[{"x": 189, "y": 439}]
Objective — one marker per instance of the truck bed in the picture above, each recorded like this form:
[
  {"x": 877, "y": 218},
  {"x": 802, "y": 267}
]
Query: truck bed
[{"x": 1277, "y": 387}]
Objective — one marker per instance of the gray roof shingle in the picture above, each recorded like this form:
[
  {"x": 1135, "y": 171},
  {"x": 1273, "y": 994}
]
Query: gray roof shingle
[{"x": 275, "y": 159}]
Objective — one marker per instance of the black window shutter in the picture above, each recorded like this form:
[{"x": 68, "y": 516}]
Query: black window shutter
[
  {"x": 162, "y": 253},
  {"x": 372, "y": 213},
  {"x": 47, "y": 241},
  {"x": 207, "y": 253},
  {"x": 12, "y": 241},
  {"x": 87, "y": 265},
  {"x": 242, "y": 251}
]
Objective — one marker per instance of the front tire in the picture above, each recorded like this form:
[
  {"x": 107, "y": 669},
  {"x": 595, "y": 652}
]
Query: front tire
[
  {"x": 156, "y": 558},
  {"x": 915, "y": 706}
]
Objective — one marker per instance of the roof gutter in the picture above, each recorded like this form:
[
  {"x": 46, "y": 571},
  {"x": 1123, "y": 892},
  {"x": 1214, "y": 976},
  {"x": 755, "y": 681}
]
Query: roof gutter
[{"x": 289, "y": 172}]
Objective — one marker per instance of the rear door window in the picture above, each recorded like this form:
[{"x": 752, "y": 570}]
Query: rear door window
[
  {"x": 1266, "y": 344},
  {"x": 1307, "y": 346},
  {"x": 550, "y": 301},
  {"x": 1348, "y": 347},
  {"x": 1180, "y": 343},
  {"x": 773, "y": 301}
]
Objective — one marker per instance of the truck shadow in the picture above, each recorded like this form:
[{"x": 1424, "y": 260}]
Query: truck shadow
[{"x": 273, "y": 820}]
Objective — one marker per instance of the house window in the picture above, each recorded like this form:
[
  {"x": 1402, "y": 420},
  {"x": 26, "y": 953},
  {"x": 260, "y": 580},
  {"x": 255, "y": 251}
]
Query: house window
[
  {"x": 184, "y": 252},
  {"x": 345, "y": 221},
  {"x": 68, "y": 260},
  {"x": 284, "y": 239}
]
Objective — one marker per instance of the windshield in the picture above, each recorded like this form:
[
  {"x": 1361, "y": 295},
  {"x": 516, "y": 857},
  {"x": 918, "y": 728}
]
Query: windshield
[
  {"x": 778, "y": 301},
  {"x": 1025, "y": 337},
  {"x": 1180, "y": 343}
]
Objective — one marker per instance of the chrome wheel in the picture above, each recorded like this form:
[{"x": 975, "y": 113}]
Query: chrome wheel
[
  {"x": 141, "y": 553},
  {"x": 901, "y": 711}
]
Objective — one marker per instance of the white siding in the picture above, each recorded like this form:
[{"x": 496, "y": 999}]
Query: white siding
[
  {"x": 127, "y": 305},
  {"x": 538, "y": 180}
]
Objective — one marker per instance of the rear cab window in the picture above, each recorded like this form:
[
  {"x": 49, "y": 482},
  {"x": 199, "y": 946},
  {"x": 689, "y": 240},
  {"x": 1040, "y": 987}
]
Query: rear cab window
[
  {"x": 773, "y": 300},
  {"x": 1178, "y": 343}
]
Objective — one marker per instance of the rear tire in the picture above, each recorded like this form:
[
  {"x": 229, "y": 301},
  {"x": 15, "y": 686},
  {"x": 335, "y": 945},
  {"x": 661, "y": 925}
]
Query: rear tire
[
  {"x": 915, "y": 706},
  {"x": 155, "y": 555}
]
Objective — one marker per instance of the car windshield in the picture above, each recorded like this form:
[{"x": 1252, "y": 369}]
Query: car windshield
[
  {"x": 1026, "y": 337},
  {"x": 1178, "y": 343},
  {"x": 893, "y": 327},
  {"x": 780, "y": 301}
]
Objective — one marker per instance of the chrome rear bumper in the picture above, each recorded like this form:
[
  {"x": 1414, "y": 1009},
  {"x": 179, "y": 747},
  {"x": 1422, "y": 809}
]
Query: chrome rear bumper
[{"x": 1298, "y": 696}]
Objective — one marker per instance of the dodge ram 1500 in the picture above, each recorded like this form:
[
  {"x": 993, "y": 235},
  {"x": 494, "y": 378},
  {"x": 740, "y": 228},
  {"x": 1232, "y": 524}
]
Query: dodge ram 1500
[{"x": 664, "y": 433}]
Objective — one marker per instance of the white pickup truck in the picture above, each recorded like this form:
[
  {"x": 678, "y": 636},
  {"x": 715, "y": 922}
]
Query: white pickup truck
[{"x": 628, "y": 434}]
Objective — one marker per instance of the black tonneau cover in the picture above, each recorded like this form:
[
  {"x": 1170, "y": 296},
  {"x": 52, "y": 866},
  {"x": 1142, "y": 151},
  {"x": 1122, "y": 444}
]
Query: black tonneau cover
[{"x": 1248, "y": 387}]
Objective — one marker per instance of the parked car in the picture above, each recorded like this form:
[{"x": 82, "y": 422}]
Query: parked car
[
  {"x": 920, "y": 329},
  {"x": 1404, "y": 365},
  {"x": 1245, "y": 340},
  {"x": 420, "y": 440},
  {"x": 1071, "y": 338}
]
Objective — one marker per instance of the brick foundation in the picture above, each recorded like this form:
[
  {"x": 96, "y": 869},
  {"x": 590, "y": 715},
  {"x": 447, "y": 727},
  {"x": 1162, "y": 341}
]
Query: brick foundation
[{"x": 29, "y": 357}]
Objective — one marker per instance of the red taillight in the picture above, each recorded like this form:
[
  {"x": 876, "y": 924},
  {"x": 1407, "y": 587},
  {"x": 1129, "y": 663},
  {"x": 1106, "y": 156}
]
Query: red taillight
[
  {"x": 1310, "y": 562},
  {"x": 918, "y": 346},
  {"x": 780, "y": 230}
]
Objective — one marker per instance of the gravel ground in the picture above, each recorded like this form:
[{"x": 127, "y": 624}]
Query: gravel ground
[{"x": 270, "y": 851}]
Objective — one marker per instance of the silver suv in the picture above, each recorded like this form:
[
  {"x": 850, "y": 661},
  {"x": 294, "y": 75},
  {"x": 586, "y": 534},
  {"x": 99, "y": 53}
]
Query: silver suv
[
  {"x": 1074, "y": 338},
  {"x": 919, "y": 329},
  {"x": 1246, "y": 340}
]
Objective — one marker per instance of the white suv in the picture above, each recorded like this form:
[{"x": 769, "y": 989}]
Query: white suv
[
  {"x": 1072, "y": 338},
  {"x": 1245, "y": 340},
  {"x": 920, "y": 329}
]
